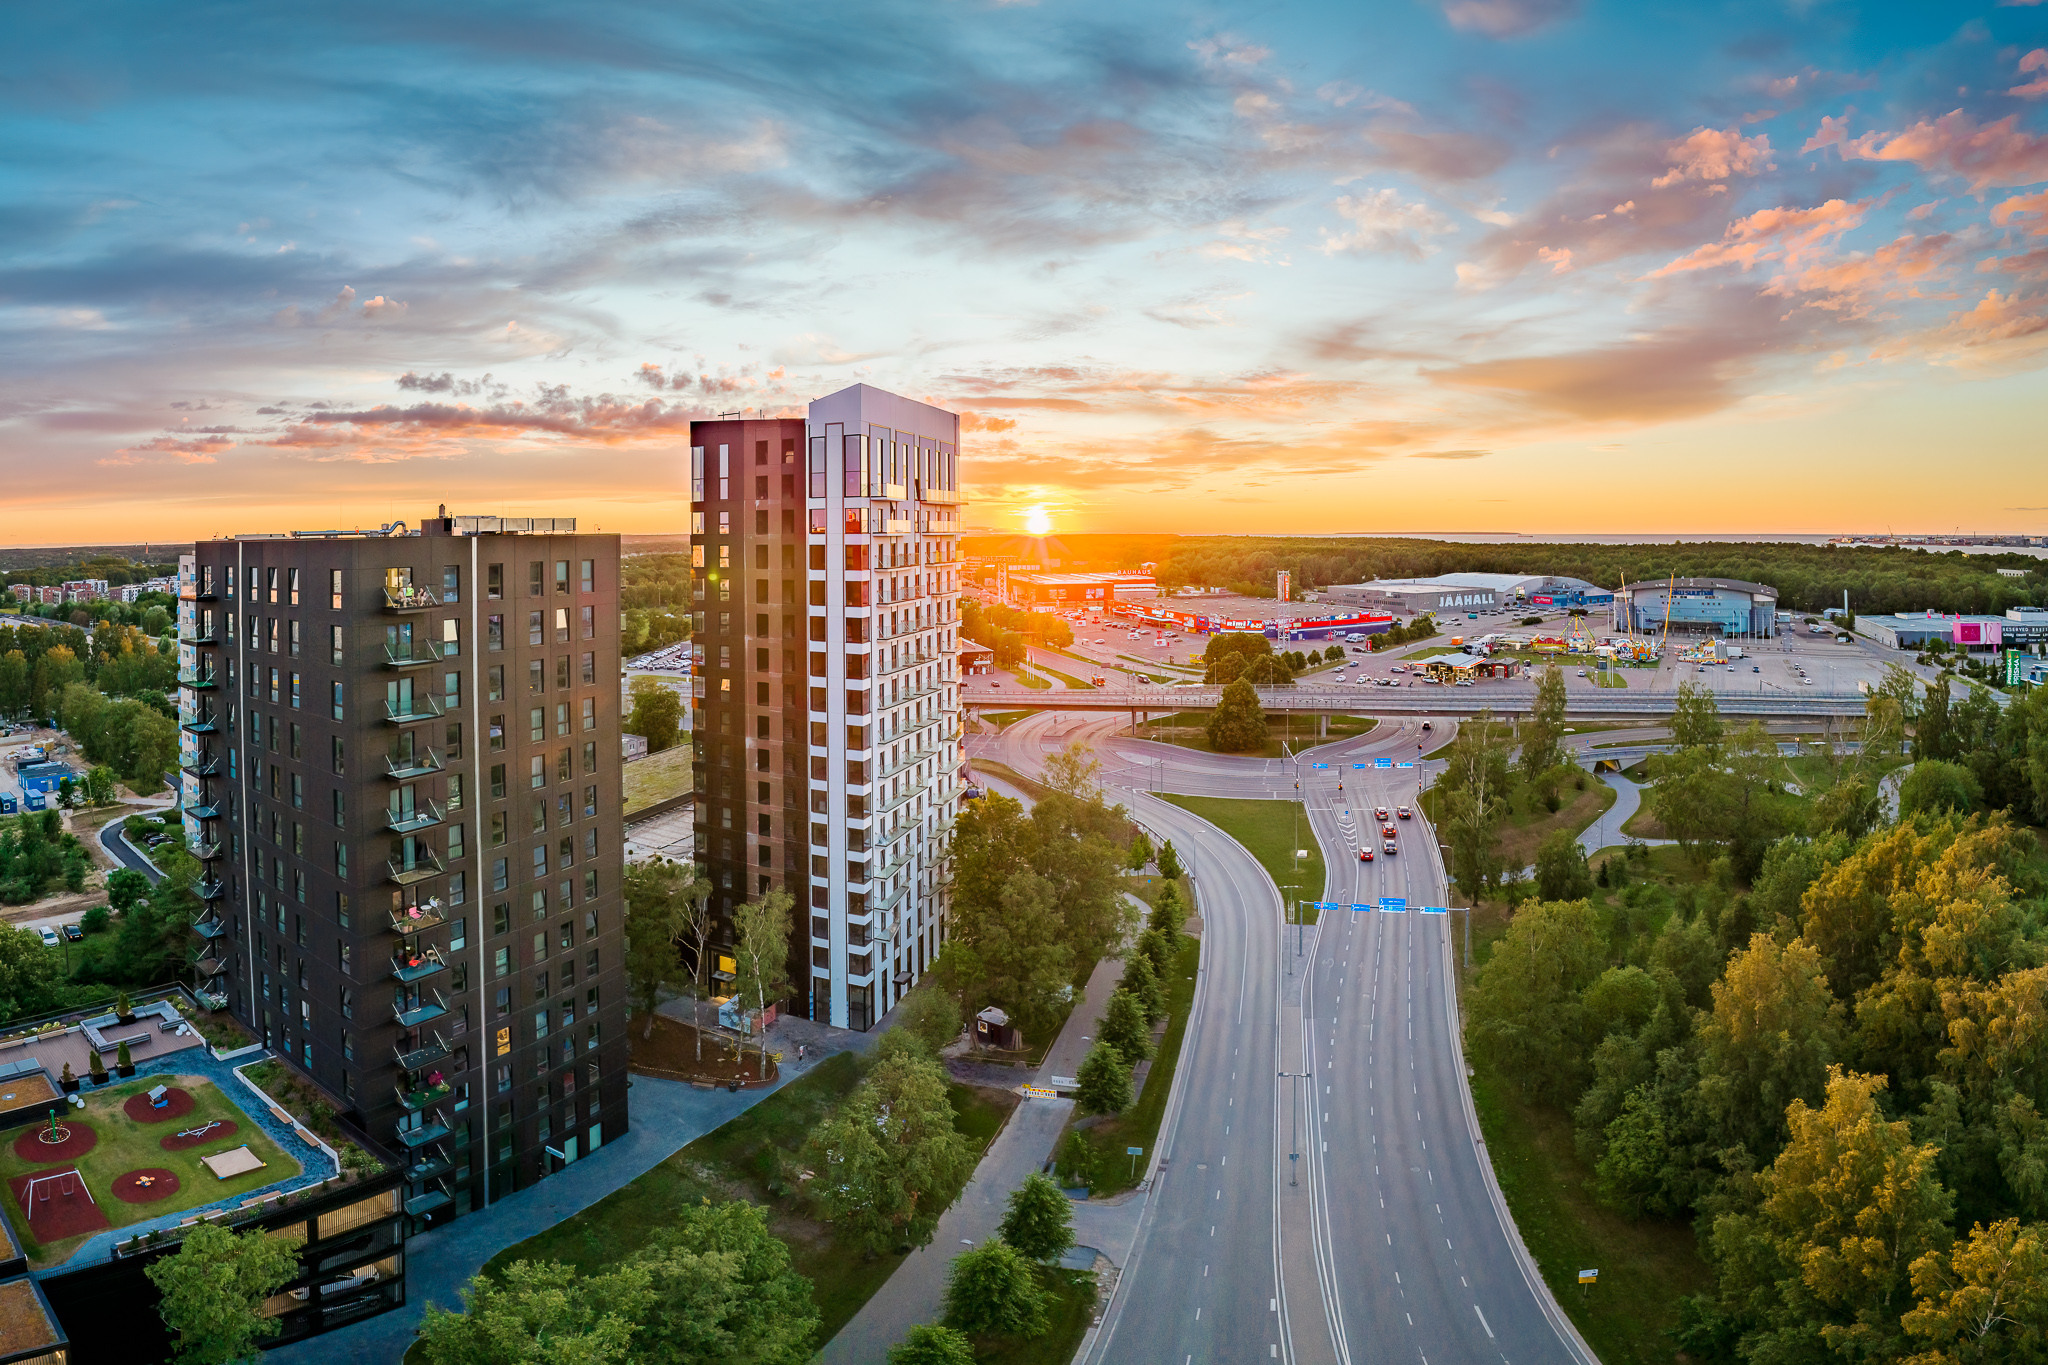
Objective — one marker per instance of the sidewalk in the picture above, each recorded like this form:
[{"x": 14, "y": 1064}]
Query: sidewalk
[
  {"x": 916, "y": 1292},
  {"x": 666, "y": 1116}
]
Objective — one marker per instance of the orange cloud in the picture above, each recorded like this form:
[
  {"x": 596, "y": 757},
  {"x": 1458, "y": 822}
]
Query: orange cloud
[
  {"x": 1985, "y": 153},
  {"x": 1715, "y": 154},
  {"x": 170, "y": 450},
  {"x": 2037, "y": 60},
  {"x": 1770, "y": 234}
]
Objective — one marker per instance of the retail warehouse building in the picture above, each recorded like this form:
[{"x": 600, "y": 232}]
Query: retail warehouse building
[
  {"x": 1714, "y": 606},
  {"x": 1468, "y": 592},
  {"x": 2024, "y": 628}
]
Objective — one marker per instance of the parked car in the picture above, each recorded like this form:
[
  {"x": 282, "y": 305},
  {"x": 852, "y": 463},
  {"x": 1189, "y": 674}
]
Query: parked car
[
  {"x": 49, "y": 936},
  {"x": 74, "y": 933}
]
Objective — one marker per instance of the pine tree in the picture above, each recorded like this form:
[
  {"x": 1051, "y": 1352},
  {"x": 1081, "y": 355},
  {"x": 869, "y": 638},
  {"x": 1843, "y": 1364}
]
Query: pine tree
[
  {"x": 1104, "y": 1083},
  {"x": 1124, "y": 1026},
  {"x": 1143, "y": 982}
]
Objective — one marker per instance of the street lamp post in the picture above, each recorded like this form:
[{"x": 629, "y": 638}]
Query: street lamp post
[{"x": 1294, "y": 1156}]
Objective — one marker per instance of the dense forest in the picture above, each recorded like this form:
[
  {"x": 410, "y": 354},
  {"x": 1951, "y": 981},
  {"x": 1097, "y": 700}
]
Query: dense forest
[
  {"x": 1826, "y": 1049},
  {"x": 1807, "y": 577},
  {"x": 654, "y": 595}
]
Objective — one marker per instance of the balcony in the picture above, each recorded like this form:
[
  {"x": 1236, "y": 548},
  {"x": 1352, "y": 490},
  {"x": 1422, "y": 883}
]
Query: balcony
[
  {"x": 412, "y": 1101},
  {"x": 205, "y": 810},
  {"x": 417, "y": 966},
  {"x": 415, "y": 918},
  {"x": 420, "y": 1205},
  {"x": 415, "y": 1138},
  {"x": 404, "y": 821},
  {"x": 409, "y": 598},
  {"x": 209, "y": 928},
  {"x": 407, "y": 711},
  {"x": 421, "y": 1012},
  {"x": 209, "y": 963},
  {"x": 205, "y": 590},
  {"x": 195, "y": 678},
  {"x": 204, "y": 850},
  {"x": 406, "y": 872},
  {"x": 426, "y": 1054},
  {"x": 429, "y": 1165},
  {"x": 201, "y": 633},
  {"x": 196, "y": 722},
  {"x": 213, "y": 1000},
  {"x": 418, "y": 655},
  {"x": 212, "y": 889},
  {"x": 404, "y": 766},
  {"x": 200, "y": 765}
]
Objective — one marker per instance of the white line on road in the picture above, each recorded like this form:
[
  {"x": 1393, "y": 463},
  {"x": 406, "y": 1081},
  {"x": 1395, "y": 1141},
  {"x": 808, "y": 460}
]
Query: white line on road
[{"x": 1482, "y": 1320}]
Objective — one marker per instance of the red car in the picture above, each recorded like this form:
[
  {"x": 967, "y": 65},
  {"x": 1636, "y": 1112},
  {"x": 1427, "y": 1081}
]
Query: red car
[
  {"x": 1387, "y": 830},
  {"x": 1365, "y": 855}
]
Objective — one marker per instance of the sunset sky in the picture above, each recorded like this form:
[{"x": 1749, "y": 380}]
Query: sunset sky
[{"x": 1522, "y": 265}]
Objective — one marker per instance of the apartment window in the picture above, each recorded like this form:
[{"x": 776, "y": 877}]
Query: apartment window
[
  {"x": 497, "y": 782},
  {"x": 589, "y": 622},
  {"x": 334, "y": 644},
  {"x": 494, "y": 680},
  {"x": 494, "y": 632},
  {"x": 590, "y": 756},
  {"x": 498, "y": 829},
  {"x": 454, "y": 792},
  {"x": 501, "y": 918},
  {"x": 295, "y": 691},
  {"x": 451, "y": 584},
  {"x": 451, "y": 689},
  {"x": 562, "y": 577},
  {"x": 455, "y": 848},
  {"x": 564, "y": 766},
  {"x": 294, "y": 635},
  {"x": 501, "y": 962},
  {"x": 589, "y": 673},
  {"x": 295, "y": 740},
  {"x": 561, "y": 625},
  {"x": 536, "y": 676},
  {"x": 590, "y": 801},
  {"x": 454, "y": 741},
  {"x": 340, "y": 809},
  {"x": 273, "y": 686},
  {"x": 590, "y": 839},
  {"x": 294, "y": 574},
  {"x": 538, "y": 822},
  {"x": 590, "y": 575},
  {"x": 537, "y": 723},
  {"x": 539, "y": 771},
  {"x": 497, "y": 734},
  {"x": 540, "y": 1031},
  {"x": 340, "y": 909},
  {"x": 334, "y": 700},
  {"x": 458, "y": 936},
  {"x": 562, "y": 673},
  {"x": 500, "y": 875},
  {"x": 494, "y": 581},
  {"x": 341, "y": 860},
  {"x": 451, "y": 638},
  {"x": 536, "y": 627},
  {"x": 337, "y": 756},
  {"x": 270, "y": 580},
  {"x": 458, "y": 889},
  {"x": 561, "y": 718},
  {"x": 298, "y": 792},
  {"x": 333, "y": 588},
  {"x": 540, "y": 869},
  {"x": 590, "y": 713}
]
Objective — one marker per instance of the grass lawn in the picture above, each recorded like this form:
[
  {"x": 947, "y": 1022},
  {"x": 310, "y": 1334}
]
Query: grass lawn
[
  {"x": 1528, "y": 824},
  {"x": 1138, "y": 1126},
  {"x": 1030, "y": 786},
  {"x": 125, "y": 1145},
  {"x": 1189, "y": 730},
  {"x": 1645, "y": 1267},
  {"x": 1029, "y": 679},
  {"x": 1003, "y": 720},
  {"x": 657, "y": 777},
  {"x": 745, "y": 1159},
  {"x": 1609, "y": 678},
  {"x": 1073, "y": 1308},
  {"x": 1069, "y": 679},
  {"x": 1272, "y": 831}
]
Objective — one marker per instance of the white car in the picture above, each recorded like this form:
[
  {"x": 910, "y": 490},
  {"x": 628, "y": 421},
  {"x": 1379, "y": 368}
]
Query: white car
[{"x": 49, "y": 936}]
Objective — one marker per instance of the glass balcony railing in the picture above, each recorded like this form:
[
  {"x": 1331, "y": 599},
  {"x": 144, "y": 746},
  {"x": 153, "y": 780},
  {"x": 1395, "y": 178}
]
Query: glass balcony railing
[
  {"x": 406, "y": 821},
  {"x": 202, "y": 764},
  {"x": 420, "y": 1011},
  {"x": 197, "y": 678},
  {"x": 414, "y": 918},
  {"x": 407, "y": 710},
  {"x": 196, "y": 722},
  {"x": 415, "y": 1100},
  {"x": 407, "y": 871},
  {"x": 409, "y": 598},
  {"x": 205, "y": 810},
  {"x": 416, "y": 655},
  {"x": 431, "y": 1047},
  {"x": 420, "y": 1205},
  {"x": 432, "y": 1130},
  {"x": 212, "y": 889},
  {"x": 205, "y": 850},
  {"x": 404, "y": 765},
  {"x": 198, "y": 633},
  {"x": 427, "y": 1165},
  {"x": 415, "y": 966}
]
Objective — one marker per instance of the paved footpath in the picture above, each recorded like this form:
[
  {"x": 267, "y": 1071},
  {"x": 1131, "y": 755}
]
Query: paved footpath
[
  {"x": 917, "y": 1291},
  {"x": 666, "y": 1117}
]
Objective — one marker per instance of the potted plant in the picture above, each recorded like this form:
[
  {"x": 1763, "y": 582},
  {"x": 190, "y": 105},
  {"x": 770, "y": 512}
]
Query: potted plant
[
  {"x": 97, "y": 1067},
  {"x": 123, "y": 1064},
  {"x": 124, "y": 1008},
  {"x": 68, "y": 1081}
]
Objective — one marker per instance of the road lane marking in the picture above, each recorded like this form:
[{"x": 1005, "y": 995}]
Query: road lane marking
[{"x": 1483, "y": 1322}]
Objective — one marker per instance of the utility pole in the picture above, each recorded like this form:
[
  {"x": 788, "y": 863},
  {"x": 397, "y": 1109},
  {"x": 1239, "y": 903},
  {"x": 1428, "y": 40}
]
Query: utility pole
[{"x": 1294, "y": 1156}]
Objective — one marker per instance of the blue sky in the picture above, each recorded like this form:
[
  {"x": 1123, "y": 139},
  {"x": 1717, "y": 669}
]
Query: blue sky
[{"x": 1416, "y": 264}]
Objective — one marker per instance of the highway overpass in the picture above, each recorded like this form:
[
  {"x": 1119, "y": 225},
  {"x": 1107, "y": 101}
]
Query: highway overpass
[{"x": 1438, "y": 701}]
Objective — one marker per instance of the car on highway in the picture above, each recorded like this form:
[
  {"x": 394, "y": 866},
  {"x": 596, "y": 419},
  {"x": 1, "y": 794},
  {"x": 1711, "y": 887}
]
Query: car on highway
[
  {"x": 1388, "y": 830},
  {"x": 73, "y": 933},
  {"x": 49, "y": 936},
  {"x": 1755, "y": 669},
  {"x": 1380, "y": 813},
  {"x": 1390, "y": 849},
  {"x": 1402, "y": 811},
  {"x": 1365, "y": 855},
  {"x": 1425, "y": 727},
  {"x": 1463, "y": 682}
]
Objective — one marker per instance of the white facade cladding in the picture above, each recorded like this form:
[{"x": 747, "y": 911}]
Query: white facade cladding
[{"x": 882, "y": 484}]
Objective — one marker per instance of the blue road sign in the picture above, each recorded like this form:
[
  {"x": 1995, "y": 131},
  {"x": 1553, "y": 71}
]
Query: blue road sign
[
  {"x": 1404, "y": 764},
  {"x": 1359, "y": 766},
  {"x": 1360, "y": 909},
  {"x": 1383, "y": 763},
  {"x": 1393, "y": 905},
  {"x": 1319, "y": 766},
  {"x": 1434, "y": 910},
  {"x": 1327, "y": 905}
]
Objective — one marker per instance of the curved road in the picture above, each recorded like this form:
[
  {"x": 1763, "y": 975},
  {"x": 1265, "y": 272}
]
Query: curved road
[{"x": 1387, "y": 1239}]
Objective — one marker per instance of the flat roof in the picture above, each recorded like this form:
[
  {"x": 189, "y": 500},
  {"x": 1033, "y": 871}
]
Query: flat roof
[{"x": 1731, "y": 584}]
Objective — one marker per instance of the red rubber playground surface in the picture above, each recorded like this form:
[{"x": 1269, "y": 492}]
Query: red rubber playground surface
[
  {"x": 145, "y": 1186},
  {"x": 30, "y": 1146},
  {"x": 57, "y": 1207},
  {"x": 137, "y": 1107}
]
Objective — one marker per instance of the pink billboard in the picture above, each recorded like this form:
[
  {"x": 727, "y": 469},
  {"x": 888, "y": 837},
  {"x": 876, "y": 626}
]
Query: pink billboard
[{"x": 1991, "y": 633}]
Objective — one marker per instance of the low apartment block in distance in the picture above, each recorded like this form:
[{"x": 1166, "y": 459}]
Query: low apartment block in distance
[
  {"x": 401, "y": 773},
  {"x": 826, "y": 714}
]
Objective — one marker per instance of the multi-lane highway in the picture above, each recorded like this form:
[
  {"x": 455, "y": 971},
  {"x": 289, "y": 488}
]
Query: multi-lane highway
[{"x": 1385, "y": 1240}]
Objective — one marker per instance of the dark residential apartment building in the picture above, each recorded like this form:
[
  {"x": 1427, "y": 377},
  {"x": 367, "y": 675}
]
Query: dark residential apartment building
[
  {"x": 825, "y": 712},
  {"x": 401, "y": 774}
]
